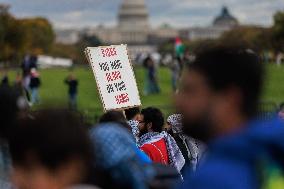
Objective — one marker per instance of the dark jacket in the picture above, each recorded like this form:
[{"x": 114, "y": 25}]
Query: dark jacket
[
  {"x": 35, "y": 82},
  {"x": 72, "y": 86}
]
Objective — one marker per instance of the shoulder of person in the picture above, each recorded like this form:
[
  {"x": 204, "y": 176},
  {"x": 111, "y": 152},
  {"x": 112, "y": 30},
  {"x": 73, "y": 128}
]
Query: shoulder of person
[
  {"x": 166, "y": 177},
  {"x": 221, "y": 172}
]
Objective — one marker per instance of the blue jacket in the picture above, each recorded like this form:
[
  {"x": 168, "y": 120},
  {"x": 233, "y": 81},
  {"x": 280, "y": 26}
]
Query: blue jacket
[{"x": 243, "y": 160}]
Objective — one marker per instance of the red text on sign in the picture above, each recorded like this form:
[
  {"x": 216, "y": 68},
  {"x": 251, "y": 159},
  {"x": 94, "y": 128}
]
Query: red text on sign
[
  {"x": 113, "y": 76},
  {"x": 122, "y": 98},
  {"x": 108, "y": 52}
]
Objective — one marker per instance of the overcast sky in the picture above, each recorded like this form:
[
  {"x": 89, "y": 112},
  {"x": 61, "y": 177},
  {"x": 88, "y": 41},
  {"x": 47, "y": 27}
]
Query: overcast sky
[{"x": 178, "y": 13}]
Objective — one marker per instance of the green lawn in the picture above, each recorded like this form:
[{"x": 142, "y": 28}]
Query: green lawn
[
  {"x": 54, "y": 92},
  {"x": 274, "y": 84}
]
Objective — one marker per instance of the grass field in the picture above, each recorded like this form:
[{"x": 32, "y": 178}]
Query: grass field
[{"x": 54, "y": 92}]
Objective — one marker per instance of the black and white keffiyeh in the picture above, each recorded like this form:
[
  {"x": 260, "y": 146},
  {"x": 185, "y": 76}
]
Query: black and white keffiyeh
[
  {"x": 176, "y": 158},
  {"x": 134, "y": 128},
  {"x": 175, "y": 121},
  {"x": 195, "y": 148}
]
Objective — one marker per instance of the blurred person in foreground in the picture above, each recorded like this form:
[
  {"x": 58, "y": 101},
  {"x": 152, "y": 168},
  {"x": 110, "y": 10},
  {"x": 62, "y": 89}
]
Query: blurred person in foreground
[
  {"x": 118, "y": 162},
  {"x": 5, "y": 79},
  {"x": 219, "y": 99},
  {"x": 116, "y": 117},
  {"x": 50, "y": 149},
  {"x": 281, "y": 111},
  {"x": 156, "y": 143},
  {"x": 191, "y": 149},
  {"x": 9, "y": 110},
  {"x": 119, "y": 119}
]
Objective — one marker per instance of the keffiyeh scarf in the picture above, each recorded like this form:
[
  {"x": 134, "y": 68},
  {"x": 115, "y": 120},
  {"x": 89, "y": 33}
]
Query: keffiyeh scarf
[
  {"x": 175, "y": 121},
  {"x": 190, "y": 143},
  {"x": 176, "y": 158},
  {"x": 134, "y": 128}
]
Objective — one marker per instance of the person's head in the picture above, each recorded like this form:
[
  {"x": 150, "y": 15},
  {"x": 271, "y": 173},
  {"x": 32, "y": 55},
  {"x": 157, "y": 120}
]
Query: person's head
[
  {"x": 152, "y": 120},
  {"x": 71, "y": 76},
  {"x": 174, "y": 123},
  {"x": 118, "y": 162},
  {"x": 8, "y": 110},
  {"x": 116, "y": 117},
  {"x": 50, "y": 149},
  {"x": 132, "y": 113},
  {"x": 220, "y": 91},
  {"x": 34, "y": 72},
  {"x": 148, "y": 61}
]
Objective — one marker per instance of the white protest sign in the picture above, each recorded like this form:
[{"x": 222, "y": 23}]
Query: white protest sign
[{"x": 114, "y": 76}]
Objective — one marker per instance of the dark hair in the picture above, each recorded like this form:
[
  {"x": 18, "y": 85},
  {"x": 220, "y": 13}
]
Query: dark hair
[
  {"x": 154, "y": 116},
  {"x": 115, "y": 116},
  {"x": 8, "y": 110},
  {"x": 52, "y": 137},
  {"x": 131, "y": 112},
  {"x": 227, "y": 66}
]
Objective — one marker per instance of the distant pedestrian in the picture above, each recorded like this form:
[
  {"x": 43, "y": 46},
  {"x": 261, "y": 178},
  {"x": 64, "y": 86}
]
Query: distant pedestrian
[
  {"x": 34, "y": 86},
  {"x": 26, "y": 65},
  {"x": 151, "y": 86},
  {"x": 175, "y": 70},
  {"x": 5, "y": 79},
  {"x": 72, "y": 83},
  {"x": 279, "y": 59}
]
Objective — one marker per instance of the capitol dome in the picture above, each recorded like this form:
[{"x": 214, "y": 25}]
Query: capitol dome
[
  {"x": 133, "y": 14},
  {"x": 133, "y": 21},
  {"x": 225, "y": 19}
]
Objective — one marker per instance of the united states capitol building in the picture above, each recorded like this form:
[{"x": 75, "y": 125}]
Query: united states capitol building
[{"x": 134, "y": 28}]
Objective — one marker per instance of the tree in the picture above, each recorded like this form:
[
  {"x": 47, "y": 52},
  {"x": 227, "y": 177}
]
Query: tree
[
  {"x": 11, "y": 36},
  {"x": 86, "y": 41},
  {"x": 39, "y": 35},
  {"x": 278, "y": 31},
  {"x": 256, "y": 38}
]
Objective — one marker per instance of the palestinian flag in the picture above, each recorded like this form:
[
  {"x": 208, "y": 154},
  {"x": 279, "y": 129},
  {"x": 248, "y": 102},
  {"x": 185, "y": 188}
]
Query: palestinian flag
[{"x": 179, "y": 47}]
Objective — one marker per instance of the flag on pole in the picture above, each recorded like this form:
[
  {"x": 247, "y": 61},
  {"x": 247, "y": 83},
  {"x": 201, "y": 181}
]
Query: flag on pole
[{"x": 179, "y": 47}]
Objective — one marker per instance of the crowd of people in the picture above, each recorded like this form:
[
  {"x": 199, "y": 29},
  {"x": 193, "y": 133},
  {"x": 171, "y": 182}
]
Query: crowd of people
[
  {"x": 214, "y": 140},
  {"x": 29, "y": 82}
]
